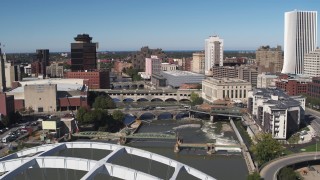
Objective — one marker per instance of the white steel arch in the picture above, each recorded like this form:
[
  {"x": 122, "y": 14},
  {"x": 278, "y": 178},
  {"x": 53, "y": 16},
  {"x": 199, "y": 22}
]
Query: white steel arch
[{"x": 38, "y": 157}]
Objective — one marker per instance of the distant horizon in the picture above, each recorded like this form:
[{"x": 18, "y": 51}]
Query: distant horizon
[
  {"x": 235, "y": 50},
  {"x": 128, "y": 25}
]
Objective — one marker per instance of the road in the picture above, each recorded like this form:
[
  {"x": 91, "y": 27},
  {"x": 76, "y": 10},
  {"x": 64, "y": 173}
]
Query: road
[
  {"x": 269, "y": 172},
  {"x": 313, "y": 117}
]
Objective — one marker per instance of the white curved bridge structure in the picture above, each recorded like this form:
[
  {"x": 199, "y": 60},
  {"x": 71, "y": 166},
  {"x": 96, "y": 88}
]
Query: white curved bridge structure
[{"x": 39, "y": 157}]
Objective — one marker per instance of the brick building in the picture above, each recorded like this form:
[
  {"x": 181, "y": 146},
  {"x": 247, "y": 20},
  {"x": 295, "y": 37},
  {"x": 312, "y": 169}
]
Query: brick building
[
  {"x": 96, "y": 79},
  {"x": 293, "y": 87},
  {"x": 313, "y": 89},
  {"x": 6, "y": 104}
]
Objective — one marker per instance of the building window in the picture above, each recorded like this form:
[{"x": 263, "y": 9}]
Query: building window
[
  {"x": 236, "y": 93},
  {"x": 244, "y": 93},
  {"x": 231, "y": 93},
  {"x": 223, "y": 94}
]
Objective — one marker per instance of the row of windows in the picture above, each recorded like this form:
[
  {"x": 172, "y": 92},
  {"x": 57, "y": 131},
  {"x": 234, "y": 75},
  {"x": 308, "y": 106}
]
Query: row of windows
[{"x": 225, "y": 94}]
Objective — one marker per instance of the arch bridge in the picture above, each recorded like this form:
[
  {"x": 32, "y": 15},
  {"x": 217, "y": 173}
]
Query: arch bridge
[
  {"x": 128, "y": 85},
  {"x": 41, "y": 157},
  {"x": 150, "y": 95}
]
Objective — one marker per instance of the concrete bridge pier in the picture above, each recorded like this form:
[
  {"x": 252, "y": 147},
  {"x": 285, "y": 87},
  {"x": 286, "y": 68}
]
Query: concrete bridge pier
[
  {"x": 210, "y": 149},
  {"x": 176, "y": 148},
  {"x": 212, "y": 118},
  {"x": 122, "y": 140}
]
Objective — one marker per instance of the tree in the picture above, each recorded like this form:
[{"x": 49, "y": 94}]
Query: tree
[
  {"x": 195, "y": 99},
  {"x": 287, "y": 173},
  {"x": 254, "y": 176},
  {"x": 103, "y": 102},
  {"x": 118, "y": 115},
  {"x": 100, "y": 103},
  {"x": 266, "y": 149},
  {"x": 80, "y": 113},
  {"x": 88, "y": 118}
]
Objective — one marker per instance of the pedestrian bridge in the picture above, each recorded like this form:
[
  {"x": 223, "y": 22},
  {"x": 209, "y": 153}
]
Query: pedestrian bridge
[{"x": 18, "y": 162}]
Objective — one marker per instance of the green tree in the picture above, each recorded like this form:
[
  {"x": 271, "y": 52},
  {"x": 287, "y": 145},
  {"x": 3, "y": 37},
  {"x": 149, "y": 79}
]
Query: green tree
[
  {"x": 100, "y": 103},
  {"x": 195, "y": 99},
  {"x": 118, "y": 115},
  {"x": 88, "y": 118},
  {"x": 80, "y": 113},
  {"x": 287, "y": 173},
  {"x": 254, "y": 176},
  {"x": 266, "y": 149},
  {"x": 103, "y": 102}
]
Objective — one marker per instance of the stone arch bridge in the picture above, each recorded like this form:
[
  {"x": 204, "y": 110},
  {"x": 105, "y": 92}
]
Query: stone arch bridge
[{"x": 150, "y": 95}]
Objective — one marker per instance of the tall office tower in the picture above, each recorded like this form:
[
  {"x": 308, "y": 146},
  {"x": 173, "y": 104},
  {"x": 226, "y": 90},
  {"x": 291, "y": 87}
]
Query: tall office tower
[
  {"x": 213, "y": 53},
  {"x": 300, "y": 38},
  {"x": 312, "y": 63},
  {"x": 2, "y": 73},
  {"x": 269, "y": 59},
  {"x": 83, "y": 53},
  {"x": 43, "y": 60}
]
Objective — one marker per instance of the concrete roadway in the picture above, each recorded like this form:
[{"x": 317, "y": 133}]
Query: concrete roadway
[
  {"x": 313, "y": 117},
  {"x": 269, "y": 172}
]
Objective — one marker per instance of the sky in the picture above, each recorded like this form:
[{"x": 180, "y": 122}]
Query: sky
[{"x": 128, "y": 25}]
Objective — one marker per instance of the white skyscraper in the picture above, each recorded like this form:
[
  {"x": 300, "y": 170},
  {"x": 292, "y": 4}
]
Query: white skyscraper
[
  {"x": 213, "y": 53},
  {"x": 300, "y": 38}
]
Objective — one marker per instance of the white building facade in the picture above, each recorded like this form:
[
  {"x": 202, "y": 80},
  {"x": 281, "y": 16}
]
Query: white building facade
[
  {"x": 266, "y": 80},
  {"x": 300, "y": 38},
  {"x": 225, "y": 88},
  {"x": 312, "y": 63},
  {"x": 168, "y": 67},
  {"x": 276, "y": 112},
  {"x": 213, "y": 53}
]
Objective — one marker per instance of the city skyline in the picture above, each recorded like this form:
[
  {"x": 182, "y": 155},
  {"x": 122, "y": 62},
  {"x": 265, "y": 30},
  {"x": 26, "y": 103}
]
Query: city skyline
[{"x": 126, "y": 25}]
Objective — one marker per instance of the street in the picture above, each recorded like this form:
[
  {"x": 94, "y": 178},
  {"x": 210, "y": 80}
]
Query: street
[{"x": 312, "y": 117}]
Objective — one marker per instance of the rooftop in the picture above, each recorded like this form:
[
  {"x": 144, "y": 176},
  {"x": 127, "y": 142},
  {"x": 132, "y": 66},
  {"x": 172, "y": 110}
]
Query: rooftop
[{"x": 181, "y": 73}]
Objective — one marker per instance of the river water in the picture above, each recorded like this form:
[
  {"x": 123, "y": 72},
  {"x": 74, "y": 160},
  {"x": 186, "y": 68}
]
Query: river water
[{"x": 222, "y": 165}]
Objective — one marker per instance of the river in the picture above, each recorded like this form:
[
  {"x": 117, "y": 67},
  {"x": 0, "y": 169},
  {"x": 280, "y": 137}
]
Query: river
[{"x": 222, "y": 165}]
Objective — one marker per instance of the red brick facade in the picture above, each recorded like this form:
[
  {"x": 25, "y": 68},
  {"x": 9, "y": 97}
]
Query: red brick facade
[
  {"x": 18, "y": 104},
  {"x": 293, "y": 87},
  {"x": 6, "y": 104},
  {"x": 314, "y": 87},
  {"x": 96, "y": 79}
]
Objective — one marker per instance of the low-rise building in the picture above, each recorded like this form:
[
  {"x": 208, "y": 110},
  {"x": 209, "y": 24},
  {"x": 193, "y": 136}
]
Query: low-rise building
[
  {"x": 54, "y": 70},
  {"x": 158, "y": 80},
  {"x": 265, "y": 80},
  {"x": 96, "y": 79},
  {"x": 276, "y": 112},
  {"x": 225, "y": 88},
  {"x": 176, "y": 78},
  {"x": 50, "y": 95},
  {"x": 168, "y": 67},
  {"x": 313, "y": 89},
  {"x": 293, "y": 85}
]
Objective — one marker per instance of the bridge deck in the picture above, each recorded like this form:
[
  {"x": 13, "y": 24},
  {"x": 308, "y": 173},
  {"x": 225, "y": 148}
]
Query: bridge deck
[
  {"x": 205, "y": 145},
  {"x": 94, "y": 134}
]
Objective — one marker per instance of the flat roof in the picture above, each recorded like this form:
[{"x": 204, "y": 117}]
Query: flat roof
[{"x": 181, "y": 73}]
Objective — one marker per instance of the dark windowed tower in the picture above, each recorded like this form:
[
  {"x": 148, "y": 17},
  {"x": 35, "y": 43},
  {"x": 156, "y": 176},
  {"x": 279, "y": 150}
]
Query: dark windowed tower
[
  {"x": 38, "y": 67},
  {"x": 83, "y": 53}
]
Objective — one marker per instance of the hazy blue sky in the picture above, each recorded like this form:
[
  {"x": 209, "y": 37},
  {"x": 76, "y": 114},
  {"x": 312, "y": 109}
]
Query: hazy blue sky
[{"x": 27, "y": 25}]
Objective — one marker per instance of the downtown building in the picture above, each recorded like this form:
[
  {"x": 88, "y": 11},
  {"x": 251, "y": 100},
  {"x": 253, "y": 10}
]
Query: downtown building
[
  {"x": 225, "y": 89},
  {"x": 269, "y": 59},
  {"x": 276, "y": 112},
  {"x": 213, "y": 53},
  {"x": 300, "y": 38},
  {"x": 39, "y": 66},
  {"x": 198, "y": 62},
  {"x": 312, "y": 63},
  {"x": 83, "y": 53},
  {"x": 138, "y": 58}
]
